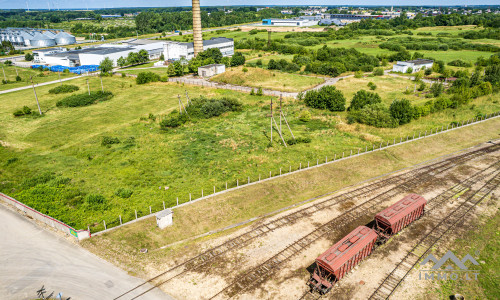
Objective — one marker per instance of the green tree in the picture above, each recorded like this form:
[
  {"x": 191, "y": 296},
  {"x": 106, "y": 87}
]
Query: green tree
[
  {"x": 121, "y": 62},
  {"x": 171, "y": 70},
  {"x": 327, "y": 97},
  {"x": 28, "y": 57},
  {"x": 492, "y": 74},
  {"x": 142, "y": 56},
  {"x": 401, "y": 110},
  {"x": 238, "y": 59},
  {"x": 179, "y": 68},
  {"x": 437, "y": 89},
  {"x": 162, "y": 57},
  {"x": 363, "y": 98},
  {"x": 106, "y": 66}
]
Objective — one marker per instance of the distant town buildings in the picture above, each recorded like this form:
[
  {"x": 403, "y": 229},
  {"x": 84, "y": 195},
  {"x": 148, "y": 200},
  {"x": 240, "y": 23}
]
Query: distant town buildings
[{"x": 299, "y": 22}]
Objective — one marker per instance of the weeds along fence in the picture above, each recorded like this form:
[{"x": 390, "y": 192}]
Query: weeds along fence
[
  {"x": 56, "y": 224},
  {"x": 245, "y": 89},
  {"x": 146, "y": 212}
]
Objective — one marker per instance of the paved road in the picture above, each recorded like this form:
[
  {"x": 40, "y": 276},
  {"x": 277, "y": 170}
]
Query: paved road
[
  {"x": 40, "y": 84},
  {"x": 31, "y": 257}
]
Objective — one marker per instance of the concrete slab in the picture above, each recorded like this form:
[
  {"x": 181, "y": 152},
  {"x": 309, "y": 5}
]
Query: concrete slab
[{"x": 31, "y": 257}]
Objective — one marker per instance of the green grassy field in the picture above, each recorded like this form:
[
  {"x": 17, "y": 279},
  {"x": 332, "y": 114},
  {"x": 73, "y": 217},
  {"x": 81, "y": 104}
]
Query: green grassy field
[
  {"x": 24, "y": 73},
  {"x": 134, "y": 71},
  {"x": 200, "y": 155},
  {"x": 273, "y": 80}
]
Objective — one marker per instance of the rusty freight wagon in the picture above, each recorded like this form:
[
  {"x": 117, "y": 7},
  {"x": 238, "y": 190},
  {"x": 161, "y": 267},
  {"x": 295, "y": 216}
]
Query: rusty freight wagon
[
  {"x": 333, "y": 264},
  {"x": 399, "y": 215}
]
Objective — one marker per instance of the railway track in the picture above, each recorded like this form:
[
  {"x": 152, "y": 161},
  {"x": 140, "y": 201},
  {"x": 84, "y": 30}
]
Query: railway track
[
  {"x": 258, "y": 274},
  {"x": 424, "y": 245},
  {"x": 402, "y": 179},
  {"x": 441, "y": 199}
]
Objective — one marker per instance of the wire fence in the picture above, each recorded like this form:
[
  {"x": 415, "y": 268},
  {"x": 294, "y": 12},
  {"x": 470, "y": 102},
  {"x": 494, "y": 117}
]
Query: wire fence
[{"x": 146, "y": 212}]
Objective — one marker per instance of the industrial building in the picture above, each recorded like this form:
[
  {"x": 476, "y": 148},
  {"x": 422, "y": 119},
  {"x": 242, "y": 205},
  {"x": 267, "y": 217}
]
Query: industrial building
[
  {"x": 95, "y": 55},
  {"x": 211, "y": 70},
  {"x": 178, "y": 50},
  {"x": 299, "y": 22},
  {"x": 344, "y": 19},
  {"x": 415, "y": 65},
  {"x": 36, "y": 38}
]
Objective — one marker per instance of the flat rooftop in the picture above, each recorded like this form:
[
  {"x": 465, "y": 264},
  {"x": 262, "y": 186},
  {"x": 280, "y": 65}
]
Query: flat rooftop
[{"x": 97, "y": 50}]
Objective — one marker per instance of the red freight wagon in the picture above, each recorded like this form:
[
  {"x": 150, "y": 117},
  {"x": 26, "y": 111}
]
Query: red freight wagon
[
  {"x": 342, "y": 257},
  {"x": 399, "y": 215}
]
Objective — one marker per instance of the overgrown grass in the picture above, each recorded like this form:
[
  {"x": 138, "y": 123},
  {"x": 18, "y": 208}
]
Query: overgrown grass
[
  {"x": 25, "y": 73},
  {"x": 161, "y": 166},
  {"x": 273, "y": 80},
  {"x": 485, "y": 242}
]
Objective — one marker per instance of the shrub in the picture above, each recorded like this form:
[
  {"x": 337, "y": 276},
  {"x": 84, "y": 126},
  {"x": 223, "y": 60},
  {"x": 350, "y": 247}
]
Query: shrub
[
  {"x": 428, "y": 72},
  {"x": 378, "y": 72},
  {"x": 409, "y": 70},
  {"x": 259, "y": 92},
  {"x": 124, "y": 75},
  {"x": 363, "y": 98},
  {"x": 421, "y": 86},
  {"x": 245, "y": 70},
  {"x": 65, "y": 88},
  {"x": 299, "y": 140},
  {"x": 238, "y": 59},
  {"x": 146, "y": 77},
  {"x": 208, "y": 108},
  {"x": 402, "y": 111},
  {"x": 174, "y": 120},
  {"x": 164, "y": 78},
  {"x": 305, "y": 116},
  {"x": 252, "y": 92},
  {"x": 108, "y": 141},
  {"x": 358, "y": 74},
  {"x": 8, "y": 62},
  {"x": 84, "y": 99},
  {"x": 374, "y": 115},
  {"x": 437, "y": 89},
  {"x": 372, "y": 86},
  {"x": 459, "y": 63},
  {"x": 18, "y": 78},
  {"x": 123, "y": 193},
  {"x": 22, "y": 112},
  {"x": 328, "y": 97}
]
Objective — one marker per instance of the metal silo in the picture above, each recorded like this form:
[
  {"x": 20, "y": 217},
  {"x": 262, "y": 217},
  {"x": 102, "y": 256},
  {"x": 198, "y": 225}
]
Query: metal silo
[
  {"x": 41, "y": 40},
  {"x": 63, "y": 38},
  {"x": 50, "y": 34},
  {"x": 26, "y": 37}
]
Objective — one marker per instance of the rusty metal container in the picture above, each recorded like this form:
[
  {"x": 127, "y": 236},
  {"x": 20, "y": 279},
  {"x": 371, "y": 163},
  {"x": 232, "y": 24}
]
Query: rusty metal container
[{"x": 399, "y": 215}]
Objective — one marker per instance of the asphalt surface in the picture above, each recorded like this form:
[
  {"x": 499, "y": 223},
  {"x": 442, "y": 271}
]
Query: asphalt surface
[{"x": 31, "y": 257}]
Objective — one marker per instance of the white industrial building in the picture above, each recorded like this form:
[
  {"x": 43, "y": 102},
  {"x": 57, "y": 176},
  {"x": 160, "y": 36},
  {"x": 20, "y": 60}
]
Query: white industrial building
[
  {"x": 177, "y": 50},
  {"x": 39, "y": 55},
  {"x": 415, "y": 65},
  {"x": 298, "y": 22},
  {"x": 211, "y": 70},
  {"x": 94, "y": 56}
]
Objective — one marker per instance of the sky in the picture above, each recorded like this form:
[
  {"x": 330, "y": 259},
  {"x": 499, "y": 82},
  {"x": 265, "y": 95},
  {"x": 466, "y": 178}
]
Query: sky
[{"x": 54, "y": 4}]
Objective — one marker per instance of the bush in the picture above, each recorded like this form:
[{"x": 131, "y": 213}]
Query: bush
[
  {"x": 22, "y": 112},
  {"x": 123, "y": 193},
  {"x": 421, "y": 86},
  {"x": 28, "y": 57},
  {"x": 18, "y": 78},
  {"x": 299, "y": 140},
  {"x": 164, "y": 78},
  {"x": 378, "y": 72},
  {"x": 252, "y": 92},
  {"x": 305, "y": 116},
  {"x": 207, "y": 108},
  {"x": 428, "y": 72},
  {"x": 174, "y": 120},
  {"x": 460, "y": 63},
  {"x": 372, "y": 86},
  {"x": 259, "y": 92},
  {"x": 328, "y": 97},
  {"x": 238, "y": 59},
  {"x": 65, "y": 88},
  {"x": 84, "y": 99},
  {"x": 402, "y": 111},
  {"x": 358, "y": 74},
  {"x": 437, "y": 89},
  {"x": 108, "y": 141},
  {"x": 374, "y": 115},
  {"x": 124, "y": 75},
  {"x": 146, "y": 77},
  {"x": 363, "y": 98}
]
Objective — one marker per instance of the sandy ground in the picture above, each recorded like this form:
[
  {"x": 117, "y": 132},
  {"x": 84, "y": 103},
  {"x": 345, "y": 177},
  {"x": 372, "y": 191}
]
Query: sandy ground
[{"x": 289, "y": 282}]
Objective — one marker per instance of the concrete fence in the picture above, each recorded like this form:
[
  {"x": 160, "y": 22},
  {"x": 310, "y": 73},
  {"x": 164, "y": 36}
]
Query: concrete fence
[
  {"x": 301, "y": 167},
  {"x": 56, "y": 224}
]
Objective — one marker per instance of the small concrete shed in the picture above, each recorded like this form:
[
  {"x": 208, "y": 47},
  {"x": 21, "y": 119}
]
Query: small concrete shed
[
  {"x": 211, "y": 70},
  {"x": 164, "y": 218}
]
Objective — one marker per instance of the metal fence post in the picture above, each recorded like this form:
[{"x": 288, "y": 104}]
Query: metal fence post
[
  {"x": 136, "y": 214},
  {"x": 237, "y": 183},
  {"x": 290, "y": 170},
  {"x": 214, "y": 189},
  {"x": 201, "y": 193},
  {"x": 163, "y": 204},
  {"x": 280, "y": 171},
  {"x": 317, "y": 161},
  {"x": 307, "y": 164},
  {"x": 269, "y": 174},
  {"x": 335, "y": 156},
  {"x": 326, "y": 159},
  {"x": 150, "y": 210},
  {"x": 120, "y": 220},
  {"x": 189, "y": 197},
  {"x": 104, "y": 224},
  {"x": 177, "y": 201},
  {"x": 226, "y": 185}
]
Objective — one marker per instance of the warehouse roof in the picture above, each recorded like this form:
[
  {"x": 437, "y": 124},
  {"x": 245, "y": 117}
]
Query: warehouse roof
[{"x": 97, "y": 51}]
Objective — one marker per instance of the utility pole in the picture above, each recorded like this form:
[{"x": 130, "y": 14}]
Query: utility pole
[
  {"x": 88, "y": 86},
  {"x": 181, "y": 106},
  {"x": 4, "y": 77},
  {"x": 102, "y": 86},
  {"x": 59, "y": 73},
  {"x": 280, "y": 111},
  {"x": 17, "y": 74},
  {"x": 271, "y": 121},
  {"x": 36, "y": 97}
]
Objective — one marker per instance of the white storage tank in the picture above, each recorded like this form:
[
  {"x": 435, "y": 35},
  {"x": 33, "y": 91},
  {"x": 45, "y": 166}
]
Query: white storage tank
[
  {"x": 63, "y": 38},
  {"x": 41, "y": 40}
]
